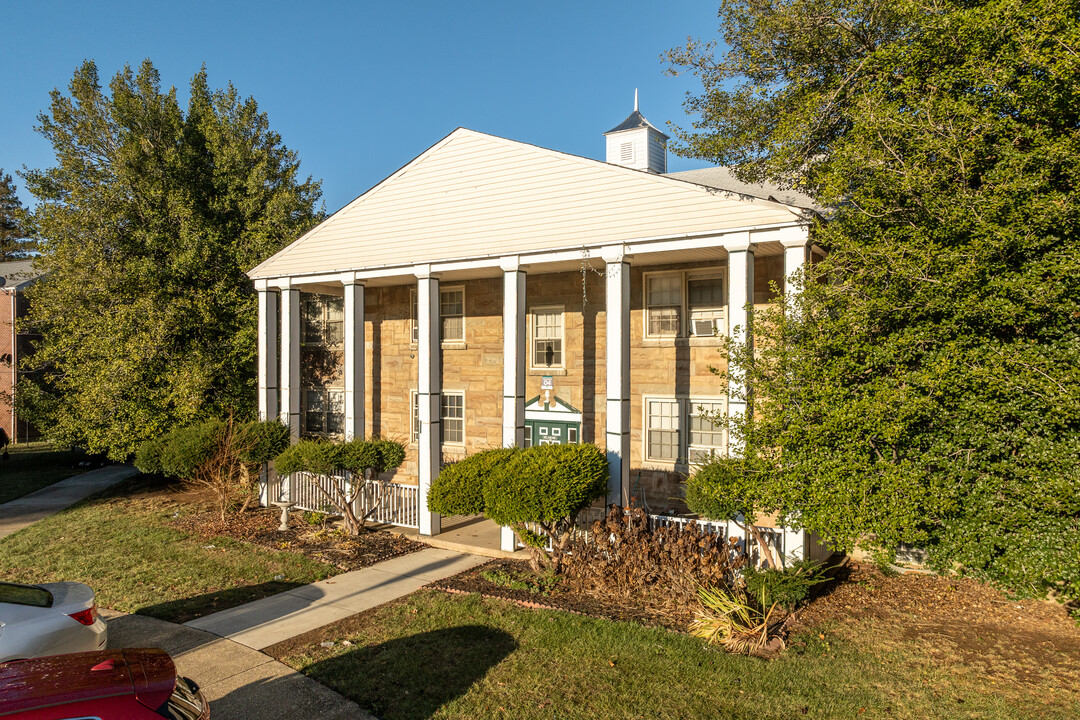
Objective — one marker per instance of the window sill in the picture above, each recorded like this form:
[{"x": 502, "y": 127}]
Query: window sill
[
  {"x": 697, "y": 341},
  {"x": 538, "y": 372},
  {"x": 445, "y": 345}
]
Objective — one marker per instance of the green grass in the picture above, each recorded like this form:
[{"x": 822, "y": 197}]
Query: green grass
[
  {"x": 122, "y": 547},
  {"x": 441, "y": 656},
  {"x": 32, "y": 466}
]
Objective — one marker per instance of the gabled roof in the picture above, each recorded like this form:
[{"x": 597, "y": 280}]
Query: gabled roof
[
  {"x": 473, "y": 195},
  {"x": 722, "y": 178},
  {"x": 634, "y": 121}
]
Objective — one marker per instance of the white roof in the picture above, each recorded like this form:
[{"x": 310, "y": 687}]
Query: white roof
[
  {"x": 473, "y": 195},
  {"x": 18, "y": 274}
]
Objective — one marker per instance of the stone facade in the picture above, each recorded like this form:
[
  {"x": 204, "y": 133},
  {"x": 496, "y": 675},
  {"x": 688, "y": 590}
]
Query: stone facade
[{"x": 676, "y": 368}]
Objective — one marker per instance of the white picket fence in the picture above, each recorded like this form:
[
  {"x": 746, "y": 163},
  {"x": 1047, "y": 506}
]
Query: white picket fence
[
  {"x": 787, "y": 545},
  {"x": 388, "y": 502}
]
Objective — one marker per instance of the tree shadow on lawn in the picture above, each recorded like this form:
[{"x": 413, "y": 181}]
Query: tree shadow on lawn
[
  {"x": 182, "y": 610},
  {"x": 410, "y": 678}
]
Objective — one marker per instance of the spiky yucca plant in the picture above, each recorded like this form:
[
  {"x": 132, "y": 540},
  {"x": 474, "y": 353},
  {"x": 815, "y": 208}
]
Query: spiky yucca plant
[{"x": 735, "y": 620}]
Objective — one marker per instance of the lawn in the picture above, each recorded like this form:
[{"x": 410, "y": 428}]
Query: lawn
[
  {"x": 462, "y": 656},
  {"x": 119, "y": 543},
  {"x": 32, "y": 466}
]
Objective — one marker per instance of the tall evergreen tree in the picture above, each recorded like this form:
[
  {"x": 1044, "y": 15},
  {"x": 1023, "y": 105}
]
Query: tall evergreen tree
[
  {"x": 14, "y": 244},
  {"x": 147, "y": 223},
  {"x": 925, "y": 388}
]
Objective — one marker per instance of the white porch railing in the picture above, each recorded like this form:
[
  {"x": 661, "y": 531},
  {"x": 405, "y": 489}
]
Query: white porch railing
[
  {"x": 785, "y": 544},
  {"x": 388, "y": 502}
]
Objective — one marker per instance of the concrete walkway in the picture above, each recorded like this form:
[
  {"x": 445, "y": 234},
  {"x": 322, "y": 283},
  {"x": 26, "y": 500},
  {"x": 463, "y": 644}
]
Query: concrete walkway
[
  {"x": 27, "y": 510},
  {"x": 279, "y": 617},
  {"x": 240, "y": 683}
]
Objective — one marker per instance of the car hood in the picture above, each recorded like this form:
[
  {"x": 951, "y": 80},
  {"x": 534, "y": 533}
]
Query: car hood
[{"x": 149, "y": 674}]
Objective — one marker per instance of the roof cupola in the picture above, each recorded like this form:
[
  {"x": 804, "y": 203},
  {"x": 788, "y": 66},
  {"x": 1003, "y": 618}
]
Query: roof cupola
[{"x": 635, "y": 143}]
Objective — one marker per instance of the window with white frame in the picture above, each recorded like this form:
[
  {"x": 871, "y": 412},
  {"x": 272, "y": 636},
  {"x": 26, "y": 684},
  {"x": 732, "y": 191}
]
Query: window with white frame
[
  {"x": 705, "y": 304},
  {"x": 698, "y": 297},
  {"x": 324, "y": 411},
  {"x": 664, "y": 298},
  {"x": 322, "y": 319},
  {"x": 547, "y": 340},
  {"x": 451, "y": 420},
  {"x": 451, "y": 313},
  {"x": 683, "y": 429},
  {"x": 662, "y": 429},
  {"x": 706, "y": 430}
]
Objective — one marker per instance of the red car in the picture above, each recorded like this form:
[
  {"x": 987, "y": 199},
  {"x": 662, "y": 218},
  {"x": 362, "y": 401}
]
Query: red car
[{"x": 139, "y": 684}]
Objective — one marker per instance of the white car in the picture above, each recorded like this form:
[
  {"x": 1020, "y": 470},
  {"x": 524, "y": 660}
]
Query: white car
[{"x": 48, "y": 619}]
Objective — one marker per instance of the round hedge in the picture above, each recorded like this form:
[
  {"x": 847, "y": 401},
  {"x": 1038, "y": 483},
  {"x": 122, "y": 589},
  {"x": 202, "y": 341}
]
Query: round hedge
[
  {"x": 459, "y": 488},
  {"x": 545, "y": 483}
]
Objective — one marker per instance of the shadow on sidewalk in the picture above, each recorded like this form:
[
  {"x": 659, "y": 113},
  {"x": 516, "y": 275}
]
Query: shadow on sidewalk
[
  {"x": 411, "y": 678},
  {"x": 183, "y": 610}
]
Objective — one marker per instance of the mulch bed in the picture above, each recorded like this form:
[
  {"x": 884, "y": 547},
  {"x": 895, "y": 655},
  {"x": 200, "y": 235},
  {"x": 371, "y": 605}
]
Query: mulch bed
[
  {"x": 1023, "y": 640},
  {"x": 1027, "y": 640},
  {"x": 323, "y": 542},
  {"x": 472, "y": 581}
]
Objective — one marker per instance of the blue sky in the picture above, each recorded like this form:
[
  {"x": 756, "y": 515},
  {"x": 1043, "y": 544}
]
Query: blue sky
[{"x": 358, "y": 89}]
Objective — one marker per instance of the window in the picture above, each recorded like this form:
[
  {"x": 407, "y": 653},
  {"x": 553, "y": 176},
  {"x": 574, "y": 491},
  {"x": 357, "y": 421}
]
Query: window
[
  {"x": 706, "y": 438},
  {"x": 322, "y": 319},
  {"x": 705, "y": 302},
  {"x": 451, "y": 310},
  {"x": 704, "y": 306},
  {"x": 663, "y": 430},
  {"x": 665, "y": 304},
  {"x": 626, "y": 152},
  {"x": 681, "y": 429},
  {"x": 324, "y": 411},
  {"x": 453, "y": 418},
  {"x": 451, "y": 422},
  {"x": 547, "y": 342}
]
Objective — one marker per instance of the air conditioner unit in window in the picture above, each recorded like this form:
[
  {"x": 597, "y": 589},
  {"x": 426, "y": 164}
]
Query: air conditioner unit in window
[
  {"x": 705, "y": 327},
  {"x": 700, "y": 455}
]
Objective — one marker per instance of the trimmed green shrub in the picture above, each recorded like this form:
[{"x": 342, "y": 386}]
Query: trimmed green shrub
[
  {"x": 315, "y": 456},
  {"x": 148, "y": 457},
  {"x": 356, "y": 456},
  {"x": 547, "y": 485},
  {"x": 260, "y": 441},
  {"x": 186, "y": 449},
  {"x": 459, "y": 488}
]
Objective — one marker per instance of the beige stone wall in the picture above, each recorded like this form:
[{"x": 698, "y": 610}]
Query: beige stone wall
[{"x": 672, "y": 367}]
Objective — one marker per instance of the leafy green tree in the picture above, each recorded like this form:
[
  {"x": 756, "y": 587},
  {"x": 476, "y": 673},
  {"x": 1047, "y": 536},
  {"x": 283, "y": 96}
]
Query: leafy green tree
[
  {"x": 13, "y": 241},
  {"x": 925, "y": 386},
  {"x": 147, "y": 223}
]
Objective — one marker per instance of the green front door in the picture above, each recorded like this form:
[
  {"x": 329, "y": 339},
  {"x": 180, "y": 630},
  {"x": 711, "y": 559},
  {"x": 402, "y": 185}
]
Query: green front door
[{"x": 549, "y": 432}]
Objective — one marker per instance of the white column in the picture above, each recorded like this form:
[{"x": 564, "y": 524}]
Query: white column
[
  {"x": 514, "y": 349},
  {"x": 268, "y": 346},
  {"x": 617, "y": 305},
  {"x": 354, "y": 360},
  {"x": 268, "y": 370},
  {"x": 429, "y": 389},
  {"x": 796, "y": 251},
  {"x": 740, "y": 294},
  {"x": 290, "y": 360}
]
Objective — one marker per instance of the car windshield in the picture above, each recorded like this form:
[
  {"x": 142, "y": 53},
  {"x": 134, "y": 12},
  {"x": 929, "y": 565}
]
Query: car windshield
[{"x": 25, "y": 595}]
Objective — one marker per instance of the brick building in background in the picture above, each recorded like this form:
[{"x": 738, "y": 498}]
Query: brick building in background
[
  {"x": 16, "y": 277},
  {"x": 467, "y": 302}
]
